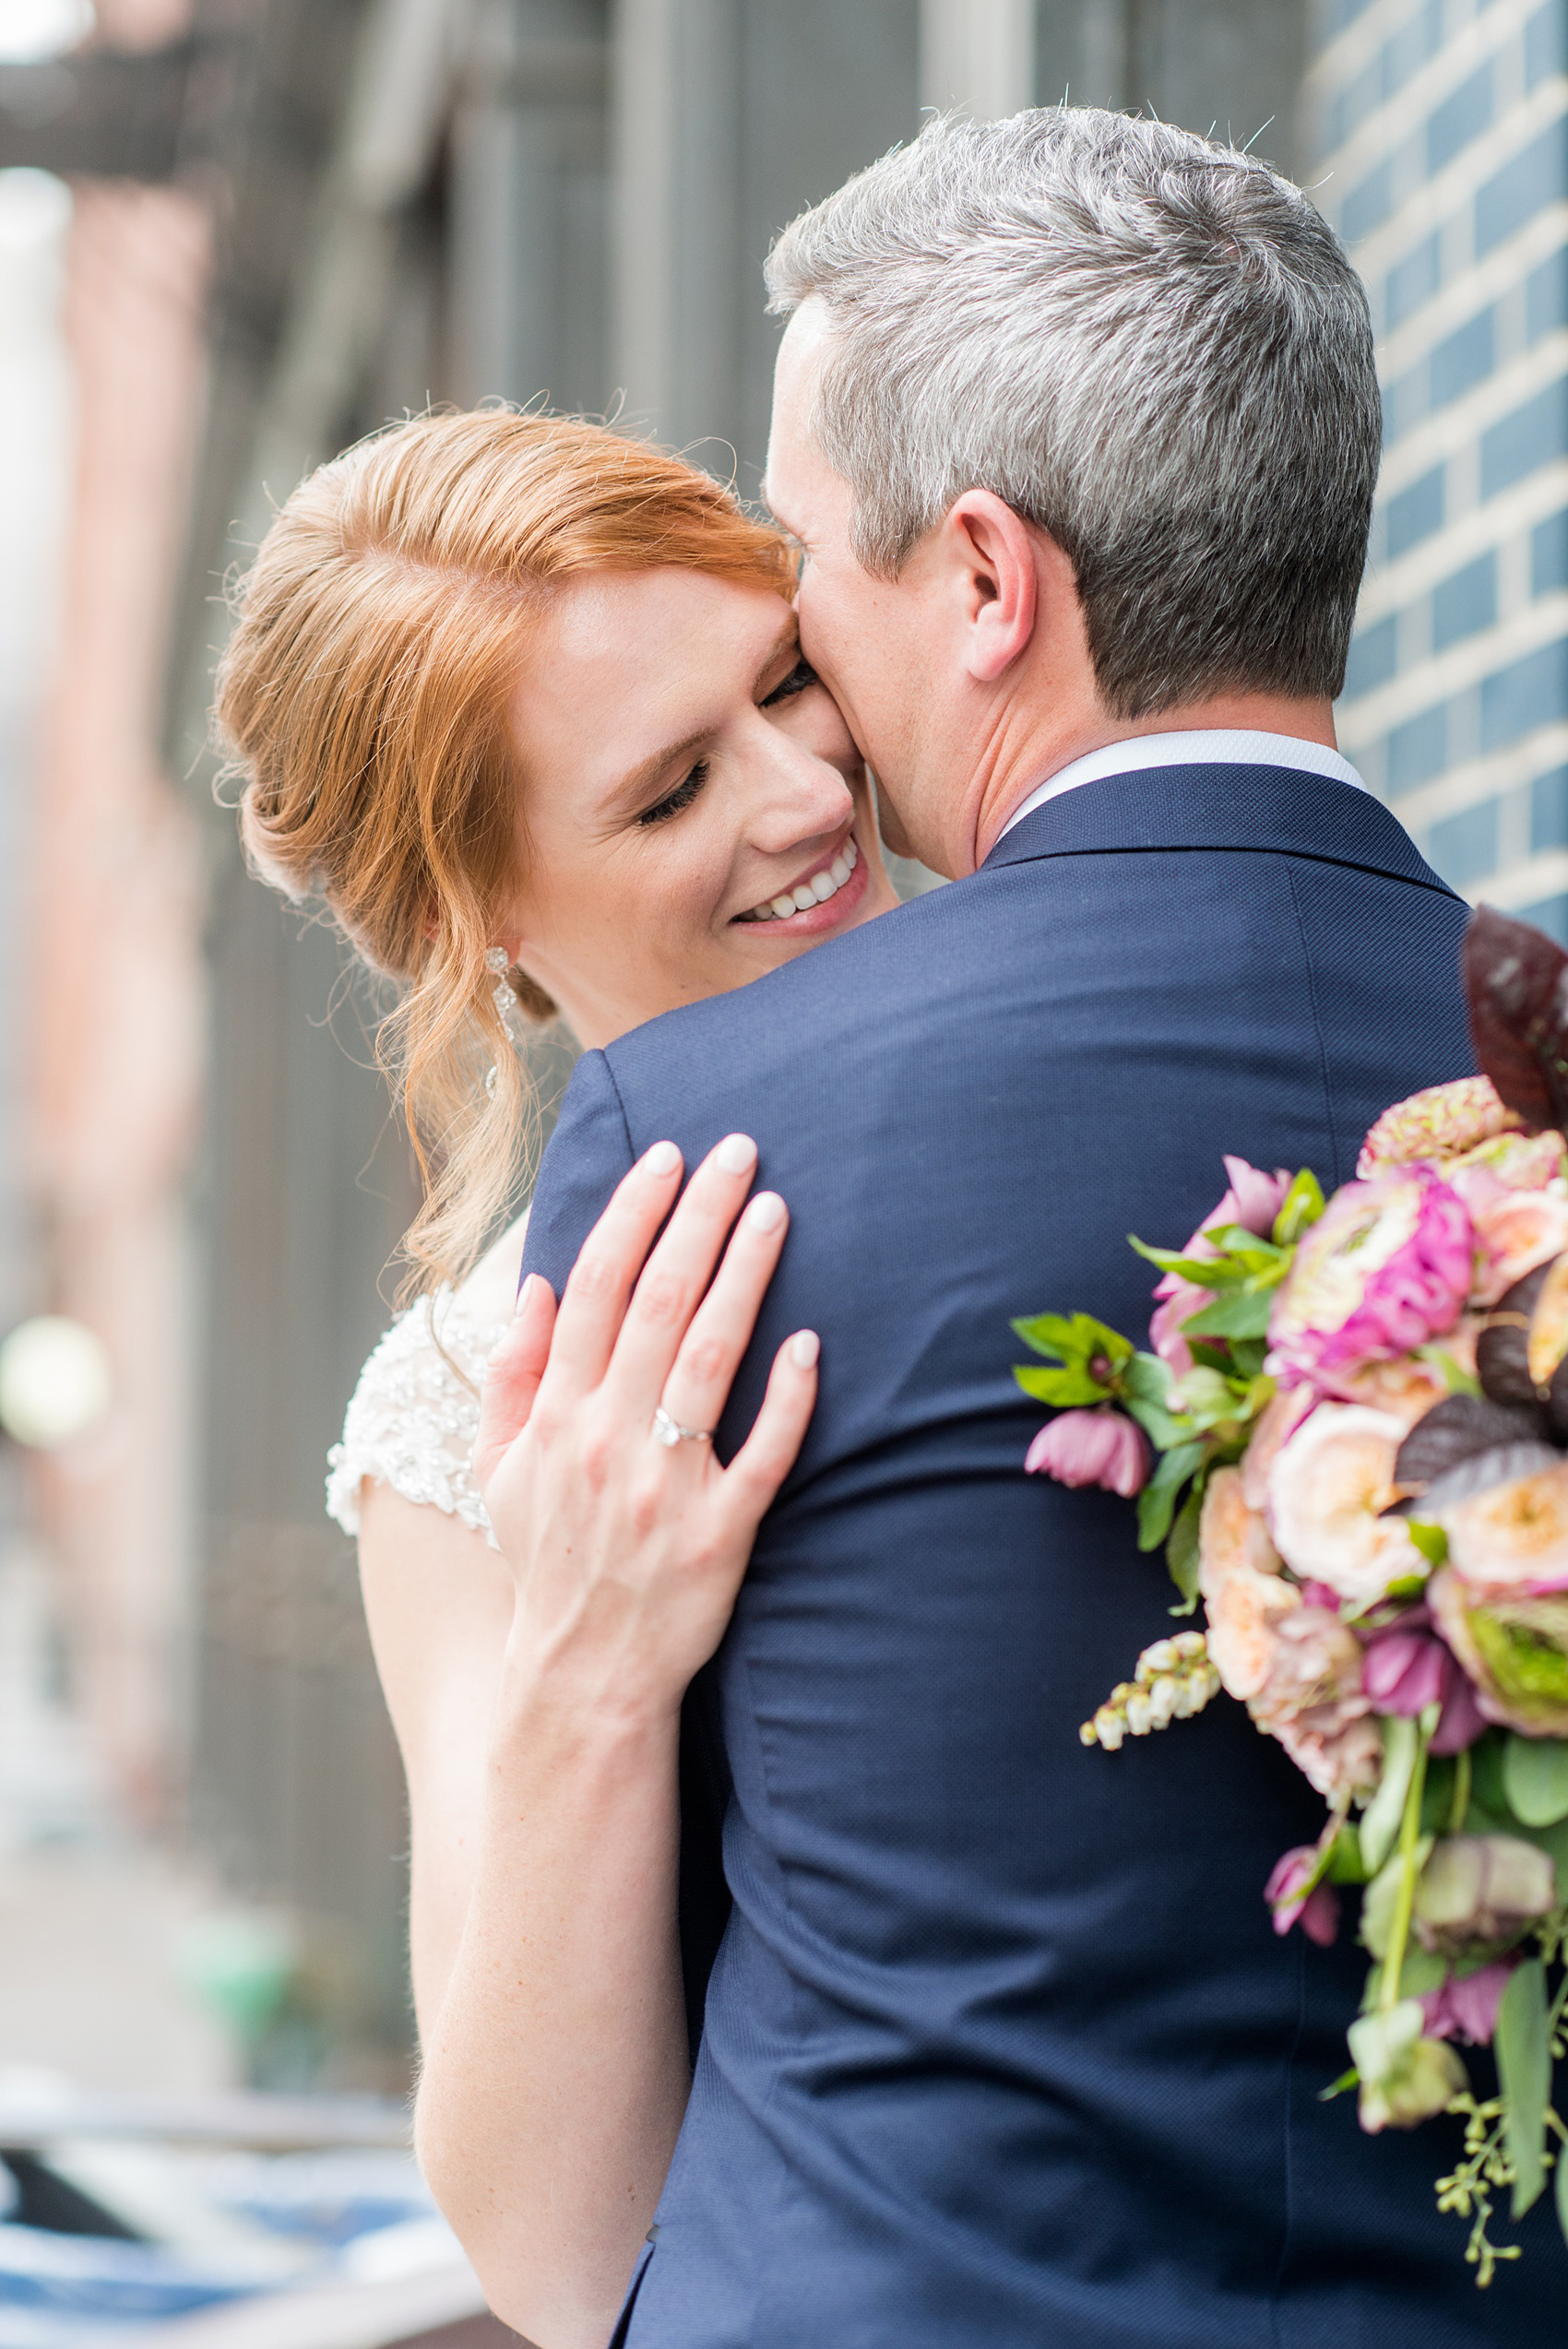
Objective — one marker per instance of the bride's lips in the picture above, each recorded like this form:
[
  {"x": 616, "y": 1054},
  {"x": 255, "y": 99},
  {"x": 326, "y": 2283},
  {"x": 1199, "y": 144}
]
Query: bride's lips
[{"x": 823, "y": 914}]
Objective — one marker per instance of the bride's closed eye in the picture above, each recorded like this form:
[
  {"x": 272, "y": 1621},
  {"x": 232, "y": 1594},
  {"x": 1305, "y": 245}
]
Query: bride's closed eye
[
  {"x": 802, "y": 676},
  {"x": 675, "y": 802}
]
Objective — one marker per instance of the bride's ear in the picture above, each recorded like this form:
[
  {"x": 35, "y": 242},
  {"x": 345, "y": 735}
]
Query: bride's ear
[{"x": 999, "y": 558}]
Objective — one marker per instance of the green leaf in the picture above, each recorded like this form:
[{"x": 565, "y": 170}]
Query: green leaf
[
  {"x": 1247, "y": 1359},
  {"x": 1244, "y": 1314},
  {"x": 1563, "y": 2190},
  {"x": 1061, "y": 1389},
  {"x": 1340, "y": 2087},
  {"x": 1301, "y": 1205},
  {"x": 1208, "y": 1272},
  {"x": 1156, "y": 1502},
  {"x": 1181, "y": 1550},
  {"x": 1524, "y": 2069},
  {"x": 1380, "y": 1821},
  {"x": 1076, "y": 1339},
  {"x": 1534, "y": 1778},
  {"x": 1431, "y": 1540},
  {"x": 1142, "y": 1387},
  {"x": 1486, "y": 1762}
]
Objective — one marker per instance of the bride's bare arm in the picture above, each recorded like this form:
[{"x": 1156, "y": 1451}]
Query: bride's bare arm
[{"x": 555, "y": 2069}]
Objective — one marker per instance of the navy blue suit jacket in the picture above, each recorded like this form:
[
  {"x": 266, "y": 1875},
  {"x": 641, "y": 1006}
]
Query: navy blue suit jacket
[{"x": 1000, "y": 2047}]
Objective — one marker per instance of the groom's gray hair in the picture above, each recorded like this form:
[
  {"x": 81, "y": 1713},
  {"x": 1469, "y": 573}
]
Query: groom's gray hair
[{"x": 1148, "y": 344}]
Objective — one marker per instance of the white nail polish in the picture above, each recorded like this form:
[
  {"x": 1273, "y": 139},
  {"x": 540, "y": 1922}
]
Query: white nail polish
[
  {"x": 736, "y": 1154},
  {"x": 766, "y": 1211},
  {"x": 662, "y": 1159},
  {"x": 804, "y": 1348}
]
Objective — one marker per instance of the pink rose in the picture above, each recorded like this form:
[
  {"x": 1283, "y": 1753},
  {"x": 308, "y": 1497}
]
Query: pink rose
[
  {"x": 1327, "y": 1489},
  {"x": 1466, "y": 2006},
  {"x": 1253, "y": 1201},
  {"x": 1438, "y": 1124},
  {"x": 1100, "y": 1447},
  {"x": 1339, "y": 1757},
  {"x": 1385, "y": 1268},
  {"x": 1317, "y": 1912}
]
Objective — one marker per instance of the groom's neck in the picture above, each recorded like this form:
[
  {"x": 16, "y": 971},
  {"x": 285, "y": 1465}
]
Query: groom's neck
[{"x": 1021, "y": 756}]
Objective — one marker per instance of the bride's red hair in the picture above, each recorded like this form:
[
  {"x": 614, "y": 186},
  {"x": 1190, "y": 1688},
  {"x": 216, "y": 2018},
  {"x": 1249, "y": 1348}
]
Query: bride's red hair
[{"x": 364, "y": 703}]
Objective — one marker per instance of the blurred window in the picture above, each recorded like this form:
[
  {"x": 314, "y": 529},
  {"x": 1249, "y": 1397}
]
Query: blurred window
[
  {"x": 1546, "y": 44},
  {"x": 1412, "y": 281},
  {"x": 1374, "y": 656},
  {"x": 1418, "y": 749},
  {"x": 1466, "y": 603},
  {"x": 1461, "y": 117},
  {"x": 1534, "y": 436},
  {"x": 1546, "y": 297},
  {"x": 1548, "y": 555},
  {"x": 1416, "y": 513},
  {"x": 1463, "y": 847},
  {"x": 1548, "y": 811},
  {"x": 1462, "y": 360},
  {"x": 1535, "y": 178},
  {"x": 1529, "y": 692}
]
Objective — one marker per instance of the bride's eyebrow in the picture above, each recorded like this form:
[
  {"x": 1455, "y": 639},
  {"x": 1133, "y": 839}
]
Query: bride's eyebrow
[
  {"x": 787, "y": 642},
  {"x": 650, "y": 771}
]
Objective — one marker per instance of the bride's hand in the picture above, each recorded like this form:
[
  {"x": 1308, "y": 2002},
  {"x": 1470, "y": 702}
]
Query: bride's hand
[{"x": 628, "y": 1552}]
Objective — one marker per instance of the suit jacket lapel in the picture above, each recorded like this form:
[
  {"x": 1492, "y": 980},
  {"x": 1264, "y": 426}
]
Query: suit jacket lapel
[{"x": 1220, "y": 807}]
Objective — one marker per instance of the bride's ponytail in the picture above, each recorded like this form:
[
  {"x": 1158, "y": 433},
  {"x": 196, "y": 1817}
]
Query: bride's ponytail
[{"x": 363, "y": 705}]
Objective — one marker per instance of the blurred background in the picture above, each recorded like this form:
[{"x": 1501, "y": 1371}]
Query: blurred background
[{"x": 235, "y": 234}]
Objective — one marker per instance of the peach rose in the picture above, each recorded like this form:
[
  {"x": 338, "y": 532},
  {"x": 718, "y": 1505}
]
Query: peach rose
[
  {"x": 1243, "y": 1592},
  {"x": 1516, "y": 1232},
  {"x": 1327, "y": 1490},
  {"x": 1512, "y": 1538}
]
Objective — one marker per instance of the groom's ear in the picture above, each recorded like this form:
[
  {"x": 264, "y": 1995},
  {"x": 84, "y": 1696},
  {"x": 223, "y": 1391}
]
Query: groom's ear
[{"x": 997, "y": 560}]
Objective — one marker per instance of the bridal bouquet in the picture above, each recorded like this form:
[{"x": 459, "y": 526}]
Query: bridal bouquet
[{"x": 1349, "y": 1432}]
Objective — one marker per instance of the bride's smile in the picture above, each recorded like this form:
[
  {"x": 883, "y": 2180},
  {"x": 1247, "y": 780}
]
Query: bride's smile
[{"x": 693, "y": 810}]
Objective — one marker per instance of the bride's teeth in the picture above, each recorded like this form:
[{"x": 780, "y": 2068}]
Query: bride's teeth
[{"x": 815, "y": 892}]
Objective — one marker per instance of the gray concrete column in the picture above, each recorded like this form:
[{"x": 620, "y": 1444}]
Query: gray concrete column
[
  {"x": 676, "y": 144},
  {"x": 977, "y": 54},
  {"x": 529, "y": 202}
]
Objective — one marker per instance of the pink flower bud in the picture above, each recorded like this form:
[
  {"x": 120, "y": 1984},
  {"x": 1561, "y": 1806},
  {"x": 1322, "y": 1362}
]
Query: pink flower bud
[
  {"x": 1466, "y": 2006},
  {"x": 1317, "y": 1912},
  {"x": 1100, "y": 1447}
]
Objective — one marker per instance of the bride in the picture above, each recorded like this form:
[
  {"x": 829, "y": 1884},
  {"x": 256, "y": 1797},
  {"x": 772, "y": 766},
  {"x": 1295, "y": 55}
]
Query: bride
[{"x": 521, "y": 703}]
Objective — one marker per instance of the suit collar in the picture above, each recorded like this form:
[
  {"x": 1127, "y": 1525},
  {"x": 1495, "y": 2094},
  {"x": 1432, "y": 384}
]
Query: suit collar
[{"x": 1224, "y": 806}]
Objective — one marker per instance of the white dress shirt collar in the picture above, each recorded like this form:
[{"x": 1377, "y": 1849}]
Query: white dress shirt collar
[{"x": 1206, "y": 746}]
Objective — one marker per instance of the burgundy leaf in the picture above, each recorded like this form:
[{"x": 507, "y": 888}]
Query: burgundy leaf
[
  {"x": 1461, "y": 1427},
  {"x": 1516, "y": 986},
  {"x": 1503, "y": 1358}
]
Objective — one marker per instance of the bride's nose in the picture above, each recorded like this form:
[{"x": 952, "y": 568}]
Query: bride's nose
[{"x": 801, "y": 798}]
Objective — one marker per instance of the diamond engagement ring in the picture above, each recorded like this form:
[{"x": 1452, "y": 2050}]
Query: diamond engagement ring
[{"x": 670, "y": 1431}]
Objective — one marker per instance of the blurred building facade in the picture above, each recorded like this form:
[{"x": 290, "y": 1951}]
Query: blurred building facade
[
  {"x": 366, "y": 206},
  {"x": 1442, "y": 129}
]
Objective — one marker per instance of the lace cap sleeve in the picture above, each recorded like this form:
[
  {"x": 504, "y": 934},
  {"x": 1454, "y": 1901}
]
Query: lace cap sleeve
[{"x": 415, "y": 1412}]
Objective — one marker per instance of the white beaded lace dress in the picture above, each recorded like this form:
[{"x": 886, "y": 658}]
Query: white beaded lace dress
[{"x": 415, "y": 1412}]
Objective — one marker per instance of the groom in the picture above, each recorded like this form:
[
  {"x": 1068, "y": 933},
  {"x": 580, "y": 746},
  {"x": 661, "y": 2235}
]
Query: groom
[{"x": 1077, "y": 425}]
